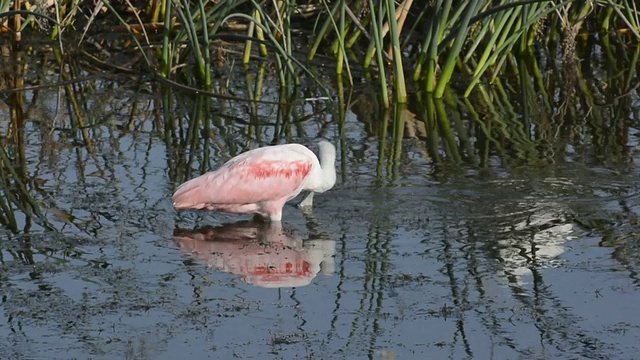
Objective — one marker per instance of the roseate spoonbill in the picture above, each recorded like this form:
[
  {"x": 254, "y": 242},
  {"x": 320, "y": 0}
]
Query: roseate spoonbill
[
  {"x": 261, "y": 181},
  {"x": 264, "y": 254}
]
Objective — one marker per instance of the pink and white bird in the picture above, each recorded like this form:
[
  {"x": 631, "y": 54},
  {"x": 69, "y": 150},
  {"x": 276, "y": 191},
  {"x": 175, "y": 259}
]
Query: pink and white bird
[{"x": 261, "y": 181}]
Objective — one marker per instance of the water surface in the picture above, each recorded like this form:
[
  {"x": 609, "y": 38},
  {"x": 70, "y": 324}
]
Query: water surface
[{"x": 403, "y": 259}]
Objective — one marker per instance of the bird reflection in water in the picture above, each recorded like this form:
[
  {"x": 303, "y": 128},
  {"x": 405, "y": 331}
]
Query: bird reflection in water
[{"x": 264, "y": 254}]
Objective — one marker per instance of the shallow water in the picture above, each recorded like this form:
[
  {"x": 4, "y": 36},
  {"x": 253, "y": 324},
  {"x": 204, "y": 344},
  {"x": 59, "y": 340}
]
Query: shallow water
[{"x": 406, "y": 262}]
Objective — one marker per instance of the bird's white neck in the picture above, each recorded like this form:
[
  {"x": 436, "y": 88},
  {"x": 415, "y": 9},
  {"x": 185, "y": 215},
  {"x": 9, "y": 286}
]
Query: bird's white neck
[{"x": 327, "y": 155}]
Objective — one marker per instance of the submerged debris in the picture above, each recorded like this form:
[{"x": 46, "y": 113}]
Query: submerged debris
[{"x": 287, "y": 339}]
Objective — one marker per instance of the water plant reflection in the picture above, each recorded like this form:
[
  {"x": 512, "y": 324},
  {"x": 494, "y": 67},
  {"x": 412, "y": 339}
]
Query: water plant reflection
[{"x": 264, "y": 254}]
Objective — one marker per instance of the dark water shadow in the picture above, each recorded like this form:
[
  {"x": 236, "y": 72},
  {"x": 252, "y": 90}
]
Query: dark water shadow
[{"x": 264, "y": 254}]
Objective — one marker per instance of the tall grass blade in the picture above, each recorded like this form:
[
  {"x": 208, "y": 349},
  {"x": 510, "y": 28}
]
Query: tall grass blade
[{"x": 398, "y": 74}]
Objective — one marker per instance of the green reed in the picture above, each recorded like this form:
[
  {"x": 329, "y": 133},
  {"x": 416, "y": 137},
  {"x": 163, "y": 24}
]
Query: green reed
[
  {"x": 398, "y": 69},
  {"x": 485, "y": 47},
  {"x": 378, "y": 41},
  {"x": 16, "y": 196},
  {"x": 427, "y": 43}
]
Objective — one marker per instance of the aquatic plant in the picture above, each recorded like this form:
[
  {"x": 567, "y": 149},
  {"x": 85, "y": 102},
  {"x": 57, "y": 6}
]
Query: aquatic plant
[{"x": 431, "y": 43}]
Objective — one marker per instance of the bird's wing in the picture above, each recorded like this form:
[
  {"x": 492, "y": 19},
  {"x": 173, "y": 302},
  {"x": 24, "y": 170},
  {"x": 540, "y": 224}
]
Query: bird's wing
[{"x": 255, "y": 176}]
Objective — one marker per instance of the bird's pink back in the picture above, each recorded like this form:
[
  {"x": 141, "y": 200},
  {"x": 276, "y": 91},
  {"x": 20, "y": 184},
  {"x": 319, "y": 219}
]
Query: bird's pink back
[{"x": 259, "y": 175}]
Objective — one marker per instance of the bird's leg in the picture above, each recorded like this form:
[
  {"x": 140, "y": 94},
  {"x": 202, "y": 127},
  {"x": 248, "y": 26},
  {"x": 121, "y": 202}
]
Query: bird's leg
[
  {"x": 273, "y": 209},
  {"x": 307, "y": 201}
]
